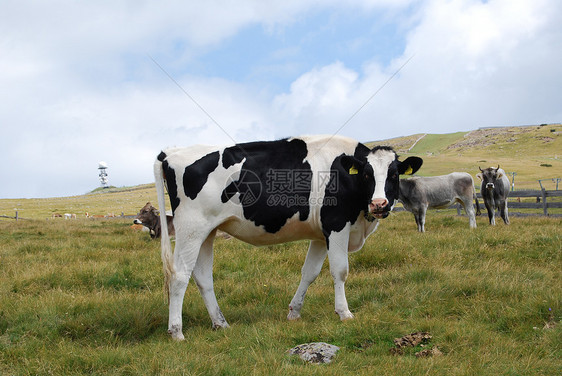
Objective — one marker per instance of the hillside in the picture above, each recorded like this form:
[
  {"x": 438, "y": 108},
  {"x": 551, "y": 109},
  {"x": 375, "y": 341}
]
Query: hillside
[{"x": 533, "y": 153}]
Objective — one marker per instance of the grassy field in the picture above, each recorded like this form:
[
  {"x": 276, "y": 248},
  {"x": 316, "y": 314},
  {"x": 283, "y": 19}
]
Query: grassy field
[
  {"x": 85, "y": 297},
  {"x": 127, "y": 201}
]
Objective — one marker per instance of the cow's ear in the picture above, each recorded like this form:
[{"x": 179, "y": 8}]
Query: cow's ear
[
  {"x": 479, "y": 176},
  {"x": 352, "y": 165},
  {"x": 410, "y": 165},
  {"x": 499, "y": 175}
]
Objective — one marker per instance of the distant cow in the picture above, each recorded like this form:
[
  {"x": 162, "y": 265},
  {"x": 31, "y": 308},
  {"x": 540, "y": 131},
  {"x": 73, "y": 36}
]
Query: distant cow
[
  {"x": 417, "y": 194},
  {"x": 88, "y": 215},
  {"x": 149, "y": 217},
  {"x": 494, "y": 190}
]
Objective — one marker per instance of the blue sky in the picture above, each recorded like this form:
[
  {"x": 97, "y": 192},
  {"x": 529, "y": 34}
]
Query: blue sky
[
  {"x": 274, "y": 58},
  {"x": 78, "y": 83}
]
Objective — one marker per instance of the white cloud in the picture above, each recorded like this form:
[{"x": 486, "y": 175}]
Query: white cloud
[
  {"x": 77, "y": 86},
  {"x": 475, "y": 64}
]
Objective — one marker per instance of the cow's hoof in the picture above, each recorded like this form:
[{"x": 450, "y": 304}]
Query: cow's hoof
[
  {"x": 293, "y": 316},
  {"x": 220, "y": 326},
  {"x": 347, "y": 315},
  {"x": 176, "y": 334}
]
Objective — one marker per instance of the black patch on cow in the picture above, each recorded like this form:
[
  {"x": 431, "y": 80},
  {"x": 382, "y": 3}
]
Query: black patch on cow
[
  {"x": 196, "y": 174},
  {"x": 170, "y": 176},
  {"x": 410, "y": 165},
  {"x": 274, "y": 182},
  {"x": 346, "y": 195},
  {"x": 233, "y": 155},
  {"x": 361, "y": 152},
  {"x": 161, "y": 156}
]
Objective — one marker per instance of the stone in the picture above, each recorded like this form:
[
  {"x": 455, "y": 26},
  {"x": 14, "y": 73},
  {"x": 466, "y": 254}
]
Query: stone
[{"x": 315, "y": 352}]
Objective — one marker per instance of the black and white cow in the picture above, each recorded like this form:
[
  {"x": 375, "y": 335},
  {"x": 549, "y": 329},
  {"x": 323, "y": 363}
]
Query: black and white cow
[
  {"x": 494, "y": 190},
  {"x": 330, "y": 190},
  {"x": 417, "y": 194}
]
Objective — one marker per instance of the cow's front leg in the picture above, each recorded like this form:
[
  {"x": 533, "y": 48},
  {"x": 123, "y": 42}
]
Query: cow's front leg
[
  {"x": 491, "y": 213},
  {"x": 203, "y": 276},
  {"x": 339, "y": 267},
  {"x": 310, "y": 270},
  {"x": 503, "y": 212}
]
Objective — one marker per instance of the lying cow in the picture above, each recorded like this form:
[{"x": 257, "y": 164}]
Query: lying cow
[
  {"x": 150, "y": 218},
  {"x": 494, "y": 190},
  {"x": 330, "y": 190},
  {"x": 417, "y": 194}
]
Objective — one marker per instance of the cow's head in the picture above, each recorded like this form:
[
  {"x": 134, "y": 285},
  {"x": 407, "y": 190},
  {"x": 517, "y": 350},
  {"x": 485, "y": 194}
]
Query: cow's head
[
  {"x": 489, "y": 176},
  {"x": 379, "y": 178},
  {"x": 147, "y": 216}
]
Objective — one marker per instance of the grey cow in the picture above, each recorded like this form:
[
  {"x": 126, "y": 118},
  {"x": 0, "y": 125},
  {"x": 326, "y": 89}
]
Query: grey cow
[
  {"x": 417, "y": 194},
  {"x": 494, "y": 190}
]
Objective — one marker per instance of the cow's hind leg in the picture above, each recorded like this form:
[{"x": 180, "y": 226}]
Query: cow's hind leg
[
  {"x": 185, "y": 257},
  {"x": 469, "y": 209},
  {"x": 417, "y": 218},
  {"x": 203, "y": 276},
  {"x": 419, "y": 214},
  {"x": 310, "y": 270},
  {"x": 339, "y": 268}
]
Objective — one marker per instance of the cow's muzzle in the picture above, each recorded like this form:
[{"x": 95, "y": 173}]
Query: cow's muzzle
[
  {"x": 378, "y": 208},
  {"x": 490, "y": 186},
  {"x": 137, "y": 222}
]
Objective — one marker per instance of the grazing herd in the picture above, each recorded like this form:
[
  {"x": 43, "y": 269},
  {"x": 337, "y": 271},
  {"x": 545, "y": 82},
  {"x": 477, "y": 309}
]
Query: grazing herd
[{"x": 330, "y": 190}]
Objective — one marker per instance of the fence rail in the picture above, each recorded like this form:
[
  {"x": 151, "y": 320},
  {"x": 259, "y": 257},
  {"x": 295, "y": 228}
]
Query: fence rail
[{"x": 542, "y": 201}]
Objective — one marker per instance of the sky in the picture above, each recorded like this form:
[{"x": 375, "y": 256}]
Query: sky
[{"x": 118, "y": 81}]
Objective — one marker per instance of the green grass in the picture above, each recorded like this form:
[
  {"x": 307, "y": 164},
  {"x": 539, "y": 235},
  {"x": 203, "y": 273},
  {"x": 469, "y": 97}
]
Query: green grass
[
  {"x": 436, "y": 143},
  {"x": 85, "y": 297}
]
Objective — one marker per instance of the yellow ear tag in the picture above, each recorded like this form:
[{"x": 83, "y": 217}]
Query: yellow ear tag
[
  {"x": 408, "y": 171},
  {"x": 353, "y": 170}
]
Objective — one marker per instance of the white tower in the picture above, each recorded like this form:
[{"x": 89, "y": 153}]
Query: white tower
[{"x": 104, "y": 180}]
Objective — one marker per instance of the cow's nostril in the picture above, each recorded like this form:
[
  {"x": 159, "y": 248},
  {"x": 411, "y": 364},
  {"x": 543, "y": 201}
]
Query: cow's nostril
[{"x": 378, "y": 204}]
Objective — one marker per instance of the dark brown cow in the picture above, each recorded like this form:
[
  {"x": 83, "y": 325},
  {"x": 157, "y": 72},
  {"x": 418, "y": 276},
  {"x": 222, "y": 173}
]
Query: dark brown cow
[{"x": 149, "y": 217}]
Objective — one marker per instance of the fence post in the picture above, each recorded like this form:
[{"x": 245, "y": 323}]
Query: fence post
[
  {"x": 544, "y": 205},
  {"x": 16, "y": 215}
]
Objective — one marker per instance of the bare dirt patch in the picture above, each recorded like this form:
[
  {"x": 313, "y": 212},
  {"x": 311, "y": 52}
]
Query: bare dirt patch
[{"x": 489, "y": 136}]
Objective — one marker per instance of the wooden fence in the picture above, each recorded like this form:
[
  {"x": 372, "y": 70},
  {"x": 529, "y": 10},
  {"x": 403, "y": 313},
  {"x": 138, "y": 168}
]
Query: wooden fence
[{"x": 541, "y": 200}]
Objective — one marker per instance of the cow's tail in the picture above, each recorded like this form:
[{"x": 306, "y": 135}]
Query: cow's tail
[
  {"x": 167, "y": 257},
  {"x": 478, "y": 212}
]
